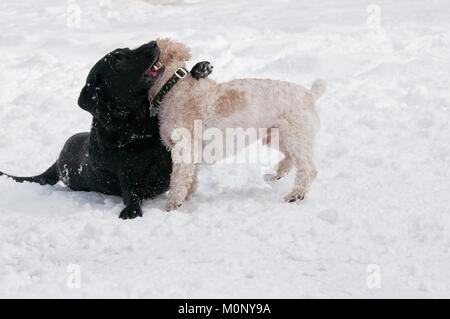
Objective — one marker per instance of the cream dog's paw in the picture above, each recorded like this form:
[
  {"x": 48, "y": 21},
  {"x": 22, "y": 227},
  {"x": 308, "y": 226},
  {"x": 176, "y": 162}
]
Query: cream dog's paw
[
  {"x": 269, "y": 177},
  {"x": 273, "y": 177},
  {"x": 173, "y": 202},
  {"x": 294, "y": 196}
]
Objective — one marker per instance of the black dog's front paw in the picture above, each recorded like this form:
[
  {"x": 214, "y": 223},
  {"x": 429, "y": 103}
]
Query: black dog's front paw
[
  {"x": 201, "y": 70},
  {"x": 131, "y": 211}
]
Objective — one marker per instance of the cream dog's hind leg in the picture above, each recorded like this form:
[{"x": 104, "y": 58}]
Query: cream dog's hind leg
[
  {"x": 300, "y": 147},
  {"x": 284, "y": 166}
]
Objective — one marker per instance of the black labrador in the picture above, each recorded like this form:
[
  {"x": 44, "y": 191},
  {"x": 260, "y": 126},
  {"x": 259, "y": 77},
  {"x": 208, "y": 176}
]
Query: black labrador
[{"x": 122, "y": 154}]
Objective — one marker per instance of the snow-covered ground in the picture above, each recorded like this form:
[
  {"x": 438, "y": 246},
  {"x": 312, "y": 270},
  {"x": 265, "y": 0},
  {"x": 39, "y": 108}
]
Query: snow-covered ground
[{"x": 376, "y": 223}]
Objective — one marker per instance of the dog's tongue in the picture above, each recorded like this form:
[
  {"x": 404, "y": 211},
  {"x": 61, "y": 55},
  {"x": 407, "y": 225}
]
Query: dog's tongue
[
  {"x": 153, "y": 69},
  {"x": 151, "y": 72}
]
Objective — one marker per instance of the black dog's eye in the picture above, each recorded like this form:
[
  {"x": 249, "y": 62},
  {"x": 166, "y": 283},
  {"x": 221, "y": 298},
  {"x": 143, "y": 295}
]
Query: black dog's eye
[{"x": 120, "y": 56}]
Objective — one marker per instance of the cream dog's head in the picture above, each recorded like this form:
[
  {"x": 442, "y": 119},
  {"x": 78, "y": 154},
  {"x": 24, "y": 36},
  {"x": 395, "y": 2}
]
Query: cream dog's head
[{"x": 173, "y": 54}]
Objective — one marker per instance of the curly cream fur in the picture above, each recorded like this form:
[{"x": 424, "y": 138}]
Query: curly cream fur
[{"x": 243, "y": 103}]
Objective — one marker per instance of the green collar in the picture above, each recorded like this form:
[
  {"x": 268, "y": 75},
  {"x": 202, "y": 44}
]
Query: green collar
[{"x": 179, "y": 74}]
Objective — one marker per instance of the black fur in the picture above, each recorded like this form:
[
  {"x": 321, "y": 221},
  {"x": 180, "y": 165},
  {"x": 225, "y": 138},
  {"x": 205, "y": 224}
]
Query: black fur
[
  {"x": 122, "y": 154},
  {"x": 201, "y": 70}
]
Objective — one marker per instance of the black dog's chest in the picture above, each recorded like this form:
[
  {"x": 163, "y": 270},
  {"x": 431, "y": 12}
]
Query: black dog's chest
[{"x": 145, "y": 164}]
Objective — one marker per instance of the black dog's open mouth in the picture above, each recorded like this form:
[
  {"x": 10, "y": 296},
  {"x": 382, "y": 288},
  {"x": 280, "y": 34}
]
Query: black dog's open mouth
[{"x": 154, "y": 72}]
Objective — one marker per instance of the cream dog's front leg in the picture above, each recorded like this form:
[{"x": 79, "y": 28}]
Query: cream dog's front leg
[
  {"x": 194, "y": 184},
  {"x": 180, "y": 184}
]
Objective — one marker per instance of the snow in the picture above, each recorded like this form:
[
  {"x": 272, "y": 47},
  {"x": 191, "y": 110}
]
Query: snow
[{"x": 375, "y": 224}]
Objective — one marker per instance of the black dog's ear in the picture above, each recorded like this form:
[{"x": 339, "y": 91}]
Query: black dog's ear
[
  {"x": 89, "y": 97},
  {"x": 91, "y": 100}
]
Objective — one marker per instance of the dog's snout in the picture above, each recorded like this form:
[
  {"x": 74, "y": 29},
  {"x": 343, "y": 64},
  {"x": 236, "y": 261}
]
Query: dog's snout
[
  {"x": 152, "y": 44},
  {"x": 209, "y": 67},
  {"x": 149, "y": 47}
]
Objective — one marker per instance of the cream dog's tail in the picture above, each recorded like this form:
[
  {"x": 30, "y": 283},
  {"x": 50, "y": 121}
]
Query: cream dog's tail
[{"x": 318, "y": 88}]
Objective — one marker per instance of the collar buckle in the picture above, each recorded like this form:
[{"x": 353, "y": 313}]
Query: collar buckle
[{"x": 182, "y": 71}]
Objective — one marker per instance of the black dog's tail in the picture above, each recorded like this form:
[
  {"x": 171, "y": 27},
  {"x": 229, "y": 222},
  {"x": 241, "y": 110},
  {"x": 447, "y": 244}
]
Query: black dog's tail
[{"x": 49, "y": 177}]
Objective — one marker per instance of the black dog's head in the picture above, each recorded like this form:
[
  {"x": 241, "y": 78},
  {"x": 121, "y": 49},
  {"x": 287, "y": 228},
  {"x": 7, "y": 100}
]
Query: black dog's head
[{"x": 117, "y": 85}]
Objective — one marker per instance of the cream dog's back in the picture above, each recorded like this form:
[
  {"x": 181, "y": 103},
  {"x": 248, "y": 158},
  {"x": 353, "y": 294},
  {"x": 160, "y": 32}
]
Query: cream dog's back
[
  {"x": 260, "y": 103},
  {"x": 244, "y": 103}
]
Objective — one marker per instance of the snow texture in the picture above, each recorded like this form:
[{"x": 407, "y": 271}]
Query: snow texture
[{"x": 376, "y": 223}]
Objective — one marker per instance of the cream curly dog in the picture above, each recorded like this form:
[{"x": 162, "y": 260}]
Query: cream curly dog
[{"x": 242, "y": 103}]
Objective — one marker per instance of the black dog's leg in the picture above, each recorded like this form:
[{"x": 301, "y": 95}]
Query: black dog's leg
[
  {"x": 201, "y": 70},
  {"x": 130, "y": 198},
  {"x": 133, "y": 206}
]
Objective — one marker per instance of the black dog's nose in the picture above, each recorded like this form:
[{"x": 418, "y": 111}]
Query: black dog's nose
[{"x": 149, "y": 47}]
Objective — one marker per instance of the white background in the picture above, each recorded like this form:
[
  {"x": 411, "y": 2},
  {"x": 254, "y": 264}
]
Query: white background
[{"x": 381, "y": 197}]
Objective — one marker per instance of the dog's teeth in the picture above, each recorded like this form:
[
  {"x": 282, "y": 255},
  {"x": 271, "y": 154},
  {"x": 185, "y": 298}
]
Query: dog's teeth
[{"x": 157, "y": 66}]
